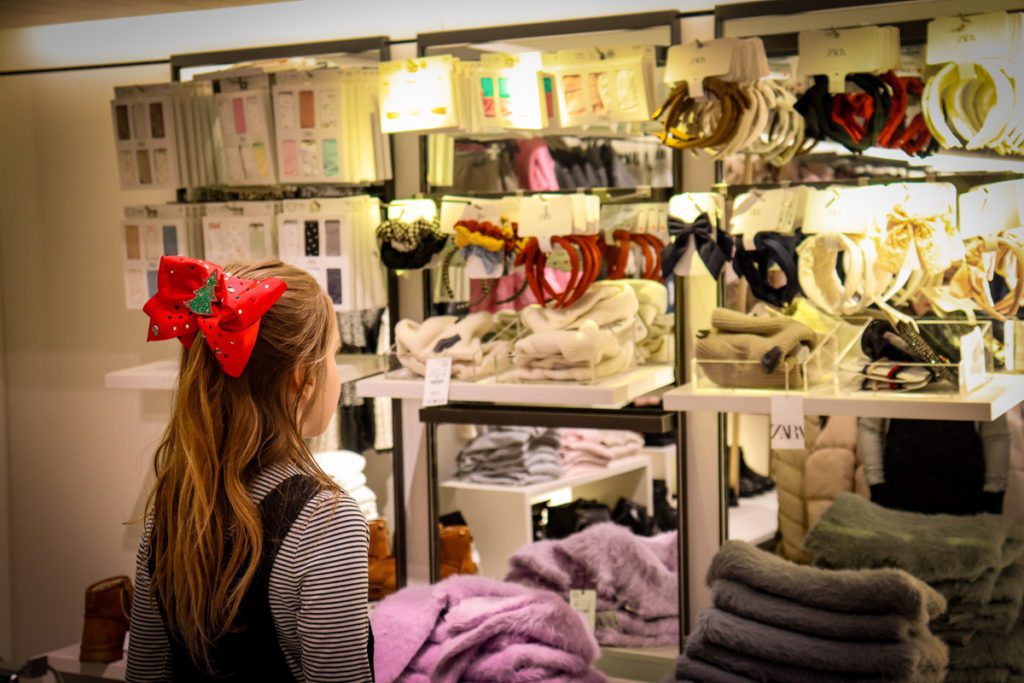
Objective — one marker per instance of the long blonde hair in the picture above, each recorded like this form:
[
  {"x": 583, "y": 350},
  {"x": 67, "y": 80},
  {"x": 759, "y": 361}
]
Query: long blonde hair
[{"x": 207, "y": 534}]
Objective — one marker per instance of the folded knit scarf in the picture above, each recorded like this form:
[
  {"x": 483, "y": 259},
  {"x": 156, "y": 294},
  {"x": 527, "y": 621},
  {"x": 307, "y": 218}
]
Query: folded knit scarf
[
  {"x": 751, "y": 351},
  {"x": 855, "y": 533},
  {"x": 880, "y": 592},
  {"x": 475, "y": 630},
  {"x": 776, "y": 655},
  {"x": 634, "y": 577},
  {"x": 461, "y": 340},
  {"x": 514, "y": 456}
]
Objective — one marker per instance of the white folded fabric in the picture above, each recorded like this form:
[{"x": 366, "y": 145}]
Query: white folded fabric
[
  {"x": 606, "y": 302},
  {"x": 341, "y": 466},
  {"x": 460, "y": 340},
  {"x": 584, "y": 373}
]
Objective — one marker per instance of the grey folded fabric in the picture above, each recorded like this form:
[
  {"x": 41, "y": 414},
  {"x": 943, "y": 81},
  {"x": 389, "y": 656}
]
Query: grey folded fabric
[
  {"x": 880, "y": 592},
  {"x": 699, "y": 649},
  {"x": 766, "y": 608},
  {"x": 695, "y": 670},
  {"x": 855, "y": 533},
  {"x": 990, "y": 675},
  {"x": 999, "y": 615},
  {"x": 917, "y": 659},
  {"x": 512, "y": 456},
  {"x": 991, "y": 651}
]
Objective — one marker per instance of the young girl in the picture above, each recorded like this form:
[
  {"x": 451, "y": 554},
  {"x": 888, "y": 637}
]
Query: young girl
[{"x": 253, "y": 564}]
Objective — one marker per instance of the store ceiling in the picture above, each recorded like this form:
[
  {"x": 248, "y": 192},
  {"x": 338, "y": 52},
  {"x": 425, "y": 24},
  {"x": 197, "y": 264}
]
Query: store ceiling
[{"x": 21, "y": 13}]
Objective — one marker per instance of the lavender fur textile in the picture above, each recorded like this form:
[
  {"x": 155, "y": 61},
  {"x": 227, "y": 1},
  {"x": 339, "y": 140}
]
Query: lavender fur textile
[
  {"x": 635, "y": 578},
  {"x": 472, "y": 629}
]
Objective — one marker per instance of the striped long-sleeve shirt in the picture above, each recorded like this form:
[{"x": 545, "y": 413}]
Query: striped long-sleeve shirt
[{"x": 317, "y": 594}]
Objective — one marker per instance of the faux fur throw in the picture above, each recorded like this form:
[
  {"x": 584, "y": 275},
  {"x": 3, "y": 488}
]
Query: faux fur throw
[
  {"x": 855, "y": 533},
  {"x": 880, "y": 592},
  {"x": 766, "y": 608},
  {"x": 991, "y": 651},
  {"x": 476, "y": 630},
  {"x": 807, "y": 658},
  {"x": 688, "y": 669},
  {"x": 634, "y": 577}
]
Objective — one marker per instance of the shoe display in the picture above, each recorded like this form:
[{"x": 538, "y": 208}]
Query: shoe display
[
  {"x": 381, "y": 561},
  {"x": 765, "y": 483},
  {"x": 634, "y": 517},
  {"x": 108, "y": 604},
  {"x": 665, "y": 516},
  {"x": 456, "y": 550},
  {"x": 565, "y": 520}
]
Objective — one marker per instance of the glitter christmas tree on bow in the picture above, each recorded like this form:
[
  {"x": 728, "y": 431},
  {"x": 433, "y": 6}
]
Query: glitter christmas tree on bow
[{"x": 202, "y": 302}]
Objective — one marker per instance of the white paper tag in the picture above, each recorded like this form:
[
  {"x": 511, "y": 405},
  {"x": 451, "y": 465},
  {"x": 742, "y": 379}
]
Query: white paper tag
[
  {"x": 455, "y": 209},
  {"x": 972, "y": 361},
  {"x": 585, "y": 602},
  {"x": 787, "y": 422},
  {"x": 838, "y": 53},
  {"x": 692, "y": 62},
  {"x": 545, "y": 216},
  {"x": 970, "y": 39},
  {"x": 437, "y": 381}
]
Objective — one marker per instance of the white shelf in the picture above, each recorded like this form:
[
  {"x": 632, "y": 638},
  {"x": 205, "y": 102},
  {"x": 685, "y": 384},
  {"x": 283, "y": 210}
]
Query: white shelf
[
  {"x": 65, "y": 660},
  {"x": 638, "y": 663},
  {"x": 615, "y": 467},
  {"x": 985, "y": 404},
  {"x": 501, "y": 519},
  {"x": 756, "y": 519},
  {"x": 611, "y": 392},
  {"x": 163, "y": 374}
]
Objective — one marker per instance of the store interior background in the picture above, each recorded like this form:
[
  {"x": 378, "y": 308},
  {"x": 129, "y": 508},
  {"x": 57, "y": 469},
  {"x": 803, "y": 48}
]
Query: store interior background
[{"x": 74, "y": 456}]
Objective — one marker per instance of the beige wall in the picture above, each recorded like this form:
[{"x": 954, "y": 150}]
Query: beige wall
[{"x": 77, "y": 455}]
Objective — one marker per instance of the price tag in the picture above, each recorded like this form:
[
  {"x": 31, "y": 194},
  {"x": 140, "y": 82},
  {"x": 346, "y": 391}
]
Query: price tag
[
  {"x": 787, "y": 422},
  {"x": 545, "y": 216},
  {"x": 585, "y": 602},
  {"x": 973, "y": 372},
  {"x": 692, "y": 62},
  {"x": 838, "y": 53},
  {"x": 437, "y": 381},
  {"x": 968, "y": 39}
]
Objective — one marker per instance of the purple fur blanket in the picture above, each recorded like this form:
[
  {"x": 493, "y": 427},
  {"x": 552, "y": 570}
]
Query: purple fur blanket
[{"x": 473, "y": 629}]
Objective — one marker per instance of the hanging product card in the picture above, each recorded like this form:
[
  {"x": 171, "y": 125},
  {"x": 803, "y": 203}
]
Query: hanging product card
[
  {"x": 836, "y": 54},
  {"x": 243, "y": 110},
  {"x": 151, "y": 232},
  {"x": 241, "y": 231},
  {"x": 585, "y": 603},
  {"x": 548, "y": 215},
  {"x": 689, "y": 206},
  {"x": 693, "y": 62},
  {"x": 455, "y": 209},
  {"x": 1010, "y": 344},
  {"x": 309, "y": 123},
  {"x": 510, "y": 92},
  {"x": 146, "y": 136},
  {"x": 437, "y": 381},
  {"x": 602, "y": 86},
  {"x": 761, "y": 211},
  {"x": 787, "y": 423},
  {"x": 968, "y": 39},
  {"x": 972, "y": 371},
  {"x": 418, "y": 94},
  {"x": 333, "y": 240},
  {"x": 409, "y": 210},
  {"x": 851, "y": 210},
  {"x": 990, "y": 209}
]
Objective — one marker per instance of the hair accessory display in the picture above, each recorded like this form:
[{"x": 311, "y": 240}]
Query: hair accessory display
[
  {"x": 197, "y": 296},
  {"x": 855, "y": 120},
  {"x": 243, "y": 231},
  {"x": 246, "y": 124},
  {"x": 150, "y": 233},
  {"x": 408, "y": 246},
  {"x": 753, "y": 265},
  {"x": 715, "y": 247},
  {"x": 985, "y": 258}
]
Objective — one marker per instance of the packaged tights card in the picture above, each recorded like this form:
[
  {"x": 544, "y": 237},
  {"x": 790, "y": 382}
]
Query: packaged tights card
[
  {"x": 145, "y": 136},
  {"x": 603, "y": 86},
  {"x": 333, "y": 239},
  {"x": 240, "y": 231},
  {"x": 148, "y": 233},
  {"x": 419, "y": 94},
  {"x": 243, "y": 112}
]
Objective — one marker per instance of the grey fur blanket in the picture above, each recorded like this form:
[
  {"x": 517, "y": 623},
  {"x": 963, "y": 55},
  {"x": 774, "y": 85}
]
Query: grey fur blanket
[
  {"x": 880, "y": 592},
  {"x": 804, "y": 659},
  {"x": 991, "y": 651},
  {"x": 855, "y": 533},
  {"x": 688, "y": 669},
  {"x": 766, "y": 608}
]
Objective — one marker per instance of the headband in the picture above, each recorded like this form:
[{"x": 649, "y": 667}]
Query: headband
[
  {"x": 405, "y": 246},
  {"x": 714, "y": 250},
  {"x": 972, "y": 278},
  {"x": 818, "y": 258},
  {"x": 835, "y": 116},
  {"x": 753, "y": 266},
  {"x": 198, "y": 296}
]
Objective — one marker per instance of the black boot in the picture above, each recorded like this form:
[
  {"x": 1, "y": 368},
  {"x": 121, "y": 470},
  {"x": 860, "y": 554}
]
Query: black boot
[{"x": 665, "y": 516}]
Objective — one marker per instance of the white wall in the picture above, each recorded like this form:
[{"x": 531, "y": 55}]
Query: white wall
[
  {"x": 78, "y": 455},
  {"x": 6, "y": 647}
]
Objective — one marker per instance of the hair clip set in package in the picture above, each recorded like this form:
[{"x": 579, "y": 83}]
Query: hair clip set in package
[{"x": 198, "y": 296}]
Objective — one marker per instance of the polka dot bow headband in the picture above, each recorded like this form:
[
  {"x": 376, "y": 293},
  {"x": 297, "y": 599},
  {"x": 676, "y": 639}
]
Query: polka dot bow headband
[{"x": 198, "y": 296}]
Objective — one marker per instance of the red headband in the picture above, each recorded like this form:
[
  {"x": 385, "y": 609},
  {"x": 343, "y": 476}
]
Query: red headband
[{"x": 198, "y": 296}]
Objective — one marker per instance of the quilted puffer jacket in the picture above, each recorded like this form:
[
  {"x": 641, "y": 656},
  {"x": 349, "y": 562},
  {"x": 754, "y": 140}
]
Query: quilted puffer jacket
[{"x": 809, "y": 480}]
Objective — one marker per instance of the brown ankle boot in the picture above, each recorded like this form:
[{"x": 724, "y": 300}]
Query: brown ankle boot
[
  {"x": 382, "y": 562},
  {"x": 456, "y": 551},
  {"x": 107, "y": 606}
]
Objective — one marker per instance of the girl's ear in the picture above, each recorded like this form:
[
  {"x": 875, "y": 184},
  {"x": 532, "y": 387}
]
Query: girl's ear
[{"x": 297, "y": 376}]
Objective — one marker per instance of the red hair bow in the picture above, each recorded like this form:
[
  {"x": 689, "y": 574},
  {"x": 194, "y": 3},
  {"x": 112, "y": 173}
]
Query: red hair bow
[{"x": 198, "y": 296}]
